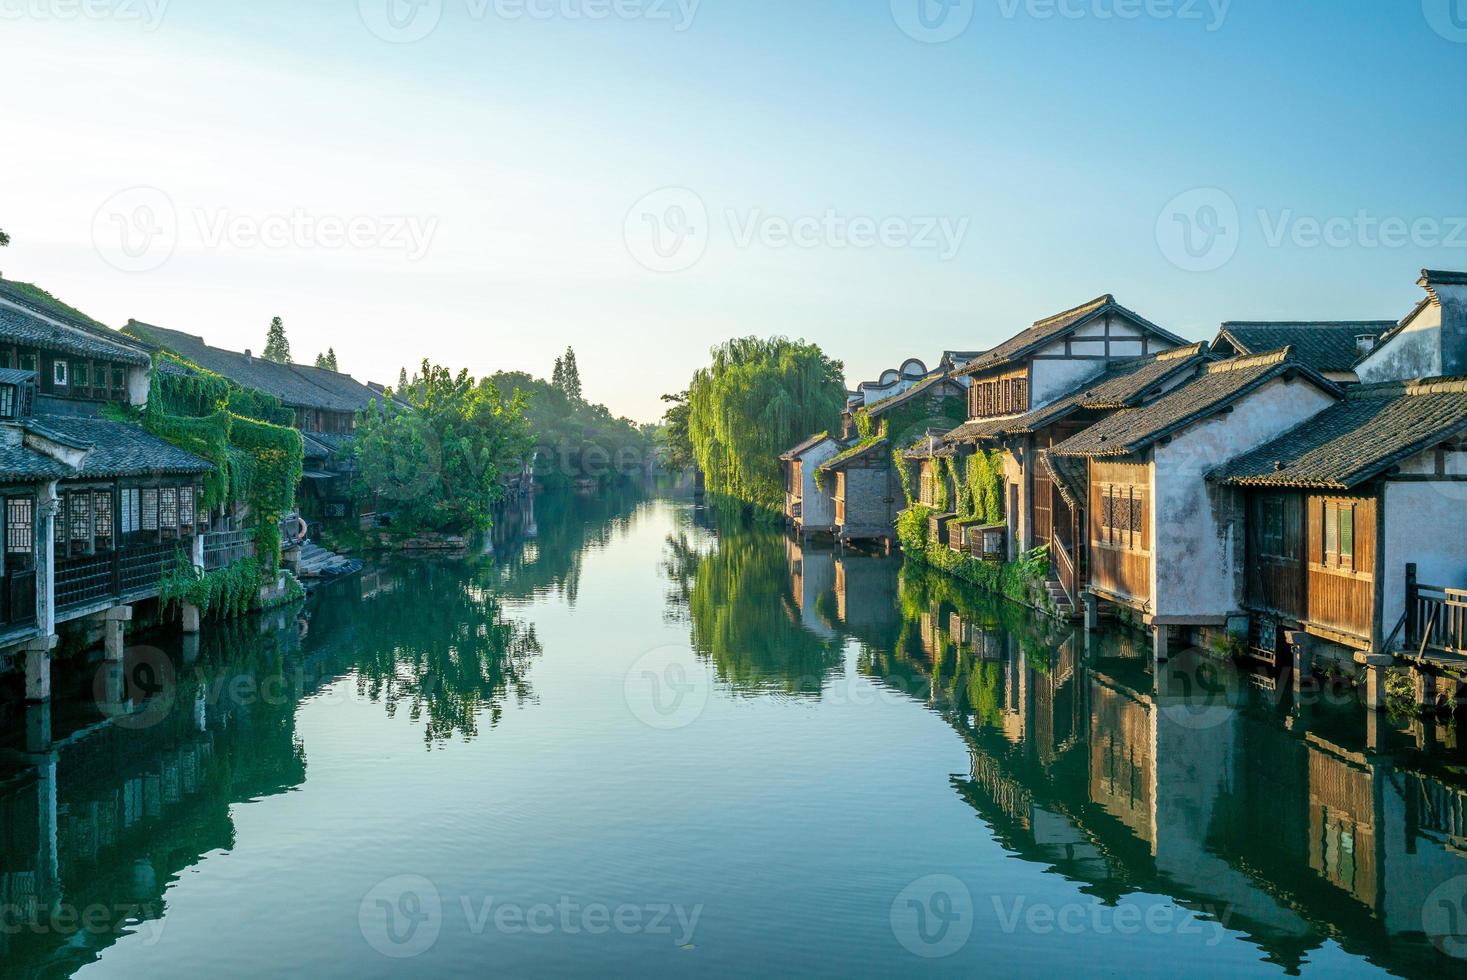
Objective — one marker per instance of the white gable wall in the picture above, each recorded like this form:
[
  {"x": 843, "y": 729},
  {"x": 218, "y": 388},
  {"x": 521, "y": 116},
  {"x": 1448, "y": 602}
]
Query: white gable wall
[
  {"x": 1197, "y": 526},
  {"x": 1425, "y": 522},
  {"x": 1415, "y": 352},
  {"x": 818, "y": 509}
]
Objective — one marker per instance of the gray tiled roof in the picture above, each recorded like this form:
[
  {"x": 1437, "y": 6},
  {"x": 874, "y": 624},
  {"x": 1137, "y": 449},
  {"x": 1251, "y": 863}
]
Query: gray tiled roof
[
  {"x": 933, "y": 445},
  {"x": 1374, "y": 428},
  {"x": 1217, "y": 385},
  {"x": 18, "y": 464},
  {"x": 1323, "y": 345},
  {"x": 879, "y": 408},
  {"x": 1052, "y": 328},
  {"x": 1122, "y": 386},
  {"x": 855, "y": 452},
  {"x": 805, "y": 446},
  {"x": 324, "y": 445},
  {"x": 297, "y": 385},
  {"x": 115, "y": 448},
  {"x": 977, "y": 429},
  {"x": 28, "y": 330},
  {"x": 1069, "y": 476}
]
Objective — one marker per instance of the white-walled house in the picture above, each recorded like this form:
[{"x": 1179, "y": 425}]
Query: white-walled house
[
  {"x": 1431, "y": 341},
  {"x": 808, "y": 506},
  {"x": 1339, "y": 506},
  {"x": 1163, "y": 540}
]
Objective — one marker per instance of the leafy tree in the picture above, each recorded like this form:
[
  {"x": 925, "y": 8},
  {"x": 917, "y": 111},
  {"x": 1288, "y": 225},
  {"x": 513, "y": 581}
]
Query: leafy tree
[
  {"x": 758, "y": 398},
  {"x": 402, "y": 380},
  {"x": 438, "y": 464},
  {"x": 4, "y": 238},
  {"x": 277, "y": 348},
  {"x": 571, "y": 376},
  {"x": 673, "y": 434},
  {"x": 327, "y": 360},
  {"x": 573, "y": 438},
  {"x": 557, "y": 375}
]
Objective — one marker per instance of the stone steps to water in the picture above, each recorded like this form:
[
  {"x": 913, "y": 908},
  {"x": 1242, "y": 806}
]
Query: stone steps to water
[{"x": 316, "y": 562}]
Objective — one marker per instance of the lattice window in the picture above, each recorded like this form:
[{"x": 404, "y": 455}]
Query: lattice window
[
  {"x": 150, "y": 509},
  {"x": 102, "y": 511},
  {"x": 168, "y": 509},
  {"x": 130, "y": 510},
  {"x": 186, "y": 513},
  {"x": 20, "y": 526},
  {"x": 7, "y": 401},
  {"x": 79, "y": 510}
]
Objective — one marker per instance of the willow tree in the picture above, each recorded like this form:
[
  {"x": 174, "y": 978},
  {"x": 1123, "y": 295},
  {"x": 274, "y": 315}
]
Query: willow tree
[{"x": 756, "y": 399}]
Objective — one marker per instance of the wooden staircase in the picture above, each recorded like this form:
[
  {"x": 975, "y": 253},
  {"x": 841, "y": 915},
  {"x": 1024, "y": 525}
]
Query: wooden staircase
[{"x": 1060, "y": 598}]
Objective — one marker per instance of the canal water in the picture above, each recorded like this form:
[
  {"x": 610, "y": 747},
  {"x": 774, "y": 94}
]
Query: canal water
[{"x": 633, "y": 739}]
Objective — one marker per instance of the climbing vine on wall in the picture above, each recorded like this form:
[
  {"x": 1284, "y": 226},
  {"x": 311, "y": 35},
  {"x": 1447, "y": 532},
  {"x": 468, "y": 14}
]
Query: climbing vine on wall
[{"x": 984, "y": 487}]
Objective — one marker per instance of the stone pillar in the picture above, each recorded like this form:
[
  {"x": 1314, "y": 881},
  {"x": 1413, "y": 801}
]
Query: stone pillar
[
  {"x": 38, "y": 668},
  {"x": 1375, "y": 668},
  {"x": 1092, "y": 611},
  {"x": 291, "y": 558},
  {"x": 114, "y": 635},
  {"x": 47, "y": 505},
  {"x": 197, "y": 550},
  {"x": 1303, "y": 647},
  {"x": 191, "y": 618},
  {"x": 1425, "y": 685},
  {"x": 1160, "y": 641}
]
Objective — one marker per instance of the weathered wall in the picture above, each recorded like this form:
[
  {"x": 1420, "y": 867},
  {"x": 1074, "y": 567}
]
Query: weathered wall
[
  {"x": 1052, "y": 379},
  {"x": 1425, "y": 522},
  {"x": 1415, "y": 352},
  {"x": 1198, "y": 526},
  {"x": 1017, "y": 518},
  {"x": 870, "y": 503}
]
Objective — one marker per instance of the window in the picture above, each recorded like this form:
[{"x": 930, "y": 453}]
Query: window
[
  {"x": 58, "y": 373},
  {"x": 150, "y": 509},
  {"x": 7, "y": 358},
  {"x": 79, "y": 512},
  {"x": 20, "y": 527},
  {"x": 168, "y": 509},
  {"x": 129, "y": 514},
  {"x": 119, "y": 381},
  {"x": 186, "y": 513},
  {"x": 1339, "y": 534},
  {"x": 7, "y": 401},
  {"x": 102, "y": 511},
  {"x": 81, "y": 376},
  {"x": 28, "y": 362},
  {"x": 1123, "y": 516}
]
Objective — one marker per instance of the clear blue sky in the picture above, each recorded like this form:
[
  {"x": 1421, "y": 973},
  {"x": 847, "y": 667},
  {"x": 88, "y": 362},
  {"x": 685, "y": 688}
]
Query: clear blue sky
[{"x": 522, "y": 144}]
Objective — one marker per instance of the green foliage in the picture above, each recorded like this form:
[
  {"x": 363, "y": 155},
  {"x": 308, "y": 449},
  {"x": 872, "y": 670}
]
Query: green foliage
[
  {"x": 984, "y": 487},
  {"x": 438, "y": 465},
  {"x": 758, "y": 398},
  {"x": 1021, "y": 580},
  {"x": 911, "y": 526},
  {"x": 277, "y": 455},
  {"x": 942, "y": 490},
  {"x": 222, "y": 593},
  {"x": 41, "y": 297},
  {"x": 566, "y": 378},
  {"x": 277, "y": 348},
  {"x": 674, "y": 432},
  {"x": 4, "y": 238},
  {"x": 327, "y": 361},
  {"x": 574, "y": 439}
]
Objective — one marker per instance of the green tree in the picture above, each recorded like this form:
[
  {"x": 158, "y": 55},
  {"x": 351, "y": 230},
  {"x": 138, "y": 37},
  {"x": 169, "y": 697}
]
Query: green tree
[
  {"x": 277, "y": 348},
  {"x": 327, "y": 360},
  {"x": 4, "y": 238},
  {"x": 402, "y": 380},
  {"x": 571, "y": 376},
  {"x": 437, "y": 464},
  {"x": 674, "y": 431},
  {"x": 756, "y": 399}
]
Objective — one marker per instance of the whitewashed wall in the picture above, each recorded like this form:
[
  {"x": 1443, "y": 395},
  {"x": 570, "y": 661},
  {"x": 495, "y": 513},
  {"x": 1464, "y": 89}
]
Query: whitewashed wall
[
  {"x": 818, "y": 509},
  {"x": 1415, "y": 352},
  {"x": 1197, "y": 526},
  {"x": 1425, "y": 522}
]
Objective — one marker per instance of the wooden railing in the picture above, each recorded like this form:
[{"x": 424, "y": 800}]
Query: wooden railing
[
  {"x": 222, "y": 548},
  {"x": 90, "y": 579},
  {"x": 1064, "y": 567},
  {"x": 1436, "y": 617}
]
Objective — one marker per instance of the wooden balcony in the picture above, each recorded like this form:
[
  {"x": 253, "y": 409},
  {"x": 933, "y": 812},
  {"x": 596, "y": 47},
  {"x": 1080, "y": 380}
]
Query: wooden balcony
[{"x": 127, "y": 574}]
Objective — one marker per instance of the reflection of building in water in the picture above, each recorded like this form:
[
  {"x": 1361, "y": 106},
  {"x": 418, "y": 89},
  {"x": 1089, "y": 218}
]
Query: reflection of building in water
[{"x": 812, "y": 584}]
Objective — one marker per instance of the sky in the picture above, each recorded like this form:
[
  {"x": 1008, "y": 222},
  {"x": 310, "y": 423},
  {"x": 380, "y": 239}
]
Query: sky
[{"x": 486, "y": 182}]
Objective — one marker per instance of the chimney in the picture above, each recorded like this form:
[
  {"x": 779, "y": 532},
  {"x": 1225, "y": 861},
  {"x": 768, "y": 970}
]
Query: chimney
[
  {"x": 1365, "y": 343},
  {"x": 248, "y": 355}
]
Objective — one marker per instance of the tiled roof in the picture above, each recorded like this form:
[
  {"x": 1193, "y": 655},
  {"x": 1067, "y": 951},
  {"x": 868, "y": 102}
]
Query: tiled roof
[
  {"x": 1217, "y": 385},
  {"x": 933, "y": 445},
  {"x": 19, "y": 464},
  {"x": 853, "y": 453},
  {"x": 115, "y": 448},
  {"x": 1124, "y": 385},
  {"x": 26, "y": 329},
  {"x": 1438, "y": 277},
  {"x": 1374, "y": 428},
  {"x": 805, "y": 446},
  {"x": 1069, "y": 477},
  {"x": 926, "y": 384},
  {"x": 324, "y": 445},
  {"x": 978, "y": 429},
  {"x": 1323, "y": 345},
  {"x": 297, "y": 385},
  {"x": 1047, "y": 330}
]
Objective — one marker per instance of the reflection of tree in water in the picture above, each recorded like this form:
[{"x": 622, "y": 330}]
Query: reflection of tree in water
[
  {"x": 566, "y": 528},
  {"x": 735, "y": 596},
  {"x": 439, "y": 644}
]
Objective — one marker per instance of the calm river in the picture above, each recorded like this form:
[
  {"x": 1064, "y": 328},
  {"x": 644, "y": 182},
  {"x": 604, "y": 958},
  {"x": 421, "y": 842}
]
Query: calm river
[{"x": 631, "y": 741}]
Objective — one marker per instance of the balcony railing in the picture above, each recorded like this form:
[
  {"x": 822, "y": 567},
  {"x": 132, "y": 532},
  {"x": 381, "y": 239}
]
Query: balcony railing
[
  {"x": 130, "y": 572},
  {"x": 222, "y": 548},
  {"x": 1436, "y": 618}
]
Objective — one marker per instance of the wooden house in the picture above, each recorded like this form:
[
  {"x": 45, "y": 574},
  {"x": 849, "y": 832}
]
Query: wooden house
[
  {"x": 1330, "y": 347},
  {"x": 1162, "y": 540},
  {"x": 866, "y": 490},
  {"x": 1043, "y": 363},
  {"x": 809, "y": 506},
  {"x": 1337, "y": 507}
]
